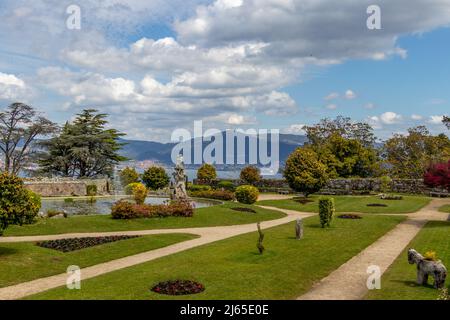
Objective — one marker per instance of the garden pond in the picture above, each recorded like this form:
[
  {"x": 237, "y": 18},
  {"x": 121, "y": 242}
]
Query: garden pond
[{"x": 73, "y": 206}]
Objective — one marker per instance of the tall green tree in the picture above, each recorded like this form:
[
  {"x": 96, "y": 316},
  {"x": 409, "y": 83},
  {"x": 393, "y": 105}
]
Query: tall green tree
[
  {"x": 85, "y": 148},
  {"x": 446, "y": 121},
  {"x": 408, "y": 156},
  {"x": 345, "y": 147},
  {"x": 20, "y": 126},
  {"x": 347, "y": 157},
  {"x": 318, "y": 134}
]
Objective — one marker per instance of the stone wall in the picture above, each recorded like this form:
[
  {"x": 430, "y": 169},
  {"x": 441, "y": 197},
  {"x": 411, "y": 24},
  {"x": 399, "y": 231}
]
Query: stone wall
[
  {"x": 415, "y": 186},
  {"x": 66, "y": 187},
  {"x": 351, "y": 186}
]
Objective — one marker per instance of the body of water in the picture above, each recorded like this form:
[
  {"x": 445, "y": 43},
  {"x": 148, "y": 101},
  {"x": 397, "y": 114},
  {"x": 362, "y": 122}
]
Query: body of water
[{"x": 102, "y": 205}]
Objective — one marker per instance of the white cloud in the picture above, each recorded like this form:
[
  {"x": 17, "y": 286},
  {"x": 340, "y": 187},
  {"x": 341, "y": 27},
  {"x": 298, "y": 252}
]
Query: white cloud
[
  {"x": 295, "y": 129},
  {"x": 436, "y": 119},
  {"x": 13, "y": 88},
  {"x": 390, "y": 118},
  {"x": 416, "y": 117},
  {"x": 332, "y": 96},
  {"x": 369, "y": 106},
  {"x": 331, "y": 107},
  {"x": 350, "y": 95},
  {"x": 323, "y": 29}
]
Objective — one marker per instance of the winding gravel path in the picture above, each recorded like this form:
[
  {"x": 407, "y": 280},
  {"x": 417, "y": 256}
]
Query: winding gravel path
[{"x": 349, "y": 281}]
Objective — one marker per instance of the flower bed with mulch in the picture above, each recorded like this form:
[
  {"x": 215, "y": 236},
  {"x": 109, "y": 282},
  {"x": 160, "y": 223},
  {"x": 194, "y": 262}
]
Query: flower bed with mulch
[
  {"x": 178, "y": 287},
  {"x": 73, "y": 244},
  {"x": 381, "y": 205},
  {"x": 350, "y": 216},
  {"x": 243, "y": 210}
]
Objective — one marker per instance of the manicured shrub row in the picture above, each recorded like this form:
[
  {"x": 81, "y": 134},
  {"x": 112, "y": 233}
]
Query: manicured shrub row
[
  {"x": 68, "y": 245},
  {"x": 326, "y": 211},
  {"x": 198, "y": 187},
  {"x": 213, "y": 194},
  {"x": 126, "y": 210},
  {"x": 249, "y": 210},
  {"x": 178, "y": 287},
  {"x": 247, "y": 194}
]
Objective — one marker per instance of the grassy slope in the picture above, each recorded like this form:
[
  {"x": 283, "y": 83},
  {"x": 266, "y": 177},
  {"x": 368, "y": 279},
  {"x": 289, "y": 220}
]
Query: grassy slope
[
  {"x": 22, "y": 262},
  {"x": 232, "y": 268},
  {"x": 220, "y": 215},
  {"x": 445, "y": 209},
  {"x": 355, "y": 204},
  {"x": 398, "y": 283}
]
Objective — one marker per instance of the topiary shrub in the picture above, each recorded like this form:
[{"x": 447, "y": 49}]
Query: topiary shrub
[
  {"x": 206, "y": 173},
  {"x": 129, "y": 188},
  {"x": 304, "y": 172},
  {"x": 91, "y": 190},
  {"x": 226, "y": 185},
  {"x": 247, "y": 194},
  {"x": 326, "y": 211},
  {"x": 140, "y": 192},
  {"x": 155, "y": 178},
  {"x": 127, "y": 176},
  {"x": 18, "y": 205},
  {"x": 250, "y": 175}
]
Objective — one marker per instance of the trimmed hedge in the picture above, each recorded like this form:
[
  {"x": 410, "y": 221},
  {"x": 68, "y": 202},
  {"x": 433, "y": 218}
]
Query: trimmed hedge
[
  {"x": 213, "y": 194},
  {"x": 127, "y": 210},
  {"x": 247, "y": 194},
  {"x": 326, "y": 211}
]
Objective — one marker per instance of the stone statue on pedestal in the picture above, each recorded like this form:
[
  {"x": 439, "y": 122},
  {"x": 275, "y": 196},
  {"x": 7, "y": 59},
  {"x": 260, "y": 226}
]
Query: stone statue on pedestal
[{"x": 179, "y": 184}]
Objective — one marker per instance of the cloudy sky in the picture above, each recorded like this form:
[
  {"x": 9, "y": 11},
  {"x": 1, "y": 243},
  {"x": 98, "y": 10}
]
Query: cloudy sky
[{"x": 158, "y": 65}]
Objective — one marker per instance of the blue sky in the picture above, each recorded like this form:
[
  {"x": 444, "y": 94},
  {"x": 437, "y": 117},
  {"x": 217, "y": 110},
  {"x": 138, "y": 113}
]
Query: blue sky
[{"x": 156, "y": 66}]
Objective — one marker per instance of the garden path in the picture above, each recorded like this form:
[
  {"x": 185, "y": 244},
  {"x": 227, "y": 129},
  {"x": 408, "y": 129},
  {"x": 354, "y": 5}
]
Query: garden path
[{"x": 349, "y": 281}]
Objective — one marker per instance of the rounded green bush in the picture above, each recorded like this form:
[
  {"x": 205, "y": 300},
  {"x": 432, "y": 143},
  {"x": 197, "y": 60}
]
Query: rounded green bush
[
  {"x": 155, "y": 178},
  {"x": 18, "y": 205},
  {"x": 247, "y": 194}
]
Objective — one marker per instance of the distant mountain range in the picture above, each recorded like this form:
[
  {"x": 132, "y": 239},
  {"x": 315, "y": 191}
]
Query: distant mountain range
[{"x": 161, "y": 152}]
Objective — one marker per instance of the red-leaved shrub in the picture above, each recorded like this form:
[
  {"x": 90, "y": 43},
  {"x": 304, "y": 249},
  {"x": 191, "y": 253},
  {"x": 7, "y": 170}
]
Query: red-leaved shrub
[
  {"x": 438, "y": 176},
  {"x": 127, "y": 210}
]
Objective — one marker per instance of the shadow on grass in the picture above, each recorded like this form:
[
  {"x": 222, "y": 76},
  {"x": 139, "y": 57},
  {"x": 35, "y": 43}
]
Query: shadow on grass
[
  {"x": 413, "y": 284},
  {"x": 7, "y": 251}
]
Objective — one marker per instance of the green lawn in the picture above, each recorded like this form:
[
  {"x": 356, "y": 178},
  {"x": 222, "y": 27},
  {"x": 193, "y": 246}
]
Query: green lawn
[
  {"x": 398, "y": 283},
  {"x": 220, "y": 215},
  {"x": 22, "y": 262},
  {"x": 409, "y": 204},
  {"x": 445, "y": 209},
  {"x": 232, "y": 268}
]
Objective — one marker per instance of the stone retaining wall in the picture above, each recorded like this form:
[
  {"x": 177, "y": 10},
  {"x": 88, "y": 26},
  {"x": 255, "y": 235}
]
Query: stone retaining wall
[
  {"x": 349, "y": 186},
  {"x": 67, "y": 188}
]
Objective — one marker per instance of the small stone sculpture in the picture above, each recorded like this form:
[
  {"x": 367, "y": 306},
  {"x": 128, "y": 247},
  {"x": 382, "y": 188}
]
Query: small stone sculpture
[
  {"x": 259, "y": 245},
  {"x": 426, "y": 268},
  {"x": 299, "y": 229}
]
